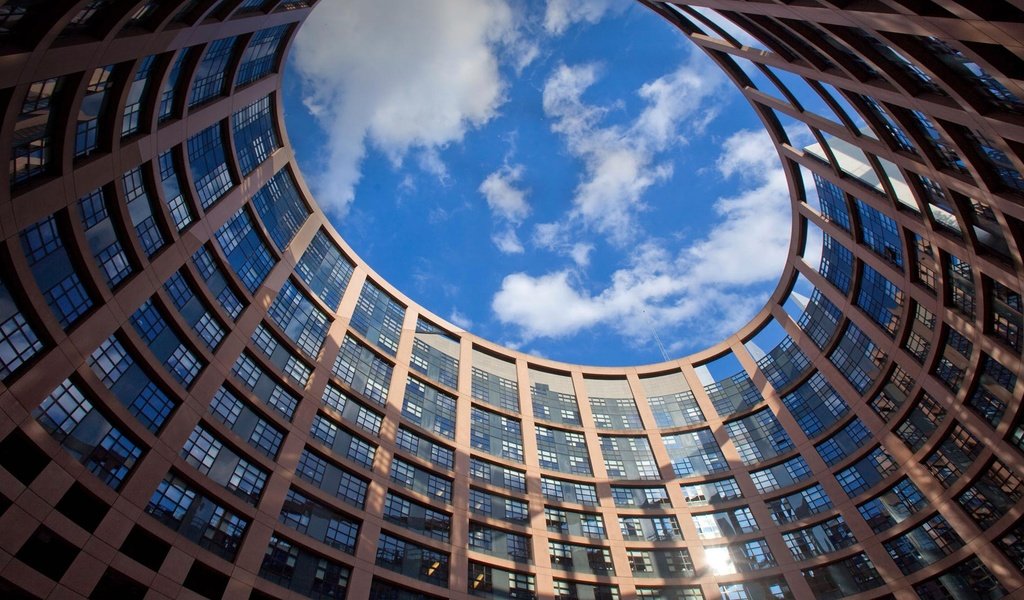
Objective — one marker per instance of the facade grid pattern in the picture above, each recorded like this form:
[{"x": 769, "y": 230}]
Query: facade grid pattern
[{"x": 191, "y": 358}]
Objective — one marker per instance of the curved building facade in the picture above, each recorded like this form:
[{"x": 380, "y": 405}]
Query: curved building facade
[{"x": 206, "y": 393}]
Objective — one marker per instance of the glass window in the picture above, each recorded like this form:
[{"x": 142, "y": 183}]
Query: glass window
[
  {"x": 429, "y": 408},
  {"x": 495, "y": 390},
  {"x": 32, "y": 148},
  {"x": 880, "y": 299},
  {"x": 759, "y": 437},
  {"x": 325, "y": 269},
  {"x": 94, "y": 105},
  {"x": 561, "y": 450},
  {"x": 496, "y": 434},
  {"x": 170, "y": 180},
  {"x": 245, "y": 250},
  {"x": 378, "y": 317},
  {"x": 364, "y": 371},
  {"x": 54, "y": 271},
  {"x": 857, "y": 358},
  {"x": 208, "y": 163},
  {"x": 197, "y": 517},
  {"x": 208, "y": 81},
  {"x": 139, "y": 88},
  {"x": 18, "y": 340},
  {"x": 280, "y": 208},
  {"x": 260, "y": 55},
  {"x": 815, "y": 405},
  {"x": 435, "y": 354},
  {"x": 694, "y": 453},
  {"x": 86, "y": 434},
  {"x": 412, "y": 560},
  {"x": 141, "y": 210},
  {"x": 299, "y": 319},
  {"x": 254, "y": 134}
]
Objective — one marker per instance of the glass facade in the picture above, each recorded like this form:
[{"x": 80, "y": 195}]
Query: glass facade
[{"x": 184, "y": 336}]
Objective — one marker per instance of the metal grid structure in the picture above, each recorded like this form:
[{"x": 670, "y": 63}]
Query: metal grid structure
[{"x": 206, "y": 393}]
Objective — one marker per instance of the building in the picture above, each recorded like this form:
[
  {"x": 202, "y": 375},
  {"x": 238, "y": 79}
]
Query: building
[{"x": 205, "y": 393}]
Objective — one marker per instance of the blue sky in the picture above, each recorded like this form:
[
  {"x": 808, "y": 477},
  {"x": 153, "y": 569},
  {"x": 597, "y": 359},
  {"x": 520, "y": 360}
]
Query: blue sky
[{"x": 564, "y": 182}]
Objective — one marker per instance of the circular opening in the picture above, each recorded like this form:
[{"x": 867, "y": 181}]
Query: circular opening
[{"x": 586, "y": 186}]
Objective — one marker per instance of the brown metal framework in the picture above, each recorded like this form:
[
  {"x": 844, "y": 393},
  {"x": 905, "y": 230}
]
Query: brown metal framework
[{"x": 929, "y": 91}]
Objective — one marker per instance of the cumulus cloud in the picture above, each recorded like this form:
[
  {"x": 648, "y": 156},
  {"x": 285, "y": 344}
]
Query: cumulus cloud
[
  {"x": 505, "y": 200},
  {"x": 401, "y": 77},
  {"x": 707, "y": 280},
  {"x": 508, "y": 206},
  {"x": 559, "y": 15},
  {"x": 621, "y": 162}
]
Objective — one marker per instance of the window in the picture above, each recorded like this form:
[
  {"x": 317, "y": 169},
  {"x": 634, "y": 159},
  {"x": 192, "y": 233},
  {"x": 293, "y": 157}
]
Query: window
[
  {"x": 615, "y": 413},
  {"x": 676, "y": 409},
  {"x": 694, "y": 452},
  {"x": 254, "y": 134},
  {"x": 140, "y": 209},
  {"x": 103, "y": 238},
  {"x": 92, "y": 107},
  {"x": 245, "y": 250},
  {"x": 495, "y": 390},
  {"x": 208, "y": 81},
  {"x": 280, "y": 208},
  {"x": 208, "y": 163},
  {"x": 364, "y": 371},
  {"x": 32, "y": 149},
  {"x": 435, "y": 354},
  {"x": 880, "y": 299},
  {"x": 923, "y": 545},
  {"x": 325, "y": 269},
  {"x": 18, "y": 340},
  {"x": 758, "y": 437},
  {"x": 71, "y": 419},
  {"x": 564, "y": 451},
  {"x": 496, "y": 434},
  {"x": 378, "y": 318},
  {"x": 554, "y": 406},
  {"x": 140, "y": 86},
  {"x": 54, "y": 271},
  {"x": 412, "y": 559},
  {"x": 628, "y": 457},
  {"x": 429, "y": 408},
  {"x": 857, "y": 358},
  {"x": 169, "y": 93},
  {"x": 880, "y": 233},
  {"x": 866, "y": 472},
  {"x": 820, "y": 319},
  {"x": 299, "y": 319},
  {"x": 170, "y": 180},
  {"x": 260, "y": 55},
  {"x": 836, "y": 264}
]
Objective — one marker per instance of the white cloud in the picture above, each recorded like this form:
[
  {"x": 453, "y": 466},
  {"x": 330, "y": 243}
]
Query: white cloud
[
  {"x": 559, "y": 15},
  {"x": 508, "y": 206},
  {"x": 402, "y": 76},
  {"x": 460, "y": 319},
  {"x": 429, "y": 160},
  {"x": 551, "y": 235},
  {"x": 559, "y": 237},
  {"x": 580, "y": 253},
  {"x": 706, "y": 282},
  {"x": 503, "y": 197},
  {"x": 507, "y": 241},
  {"x": 529, "y": 303},
  {"x": 621, "y": 162}
]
